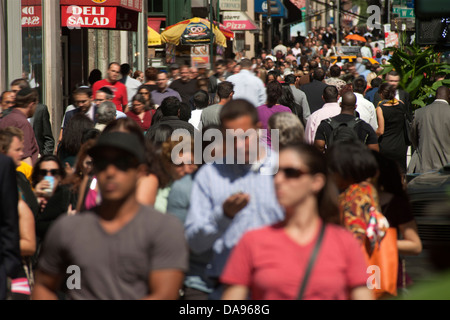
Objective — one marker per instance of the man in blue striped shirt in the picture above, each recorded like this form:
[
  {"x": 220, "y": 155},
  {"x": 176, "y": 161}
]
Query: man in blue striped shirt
[{"x": 229, "y": 199}]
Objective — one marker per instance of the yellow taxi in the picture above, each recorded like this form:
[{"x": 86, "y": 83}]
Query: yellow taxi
[{"x": 353, "y": 59}]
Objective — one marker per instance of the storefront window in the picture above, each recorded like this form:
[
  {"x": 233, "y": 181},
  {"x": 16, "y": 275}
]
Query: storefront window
[{"x": 32, "y": 51}]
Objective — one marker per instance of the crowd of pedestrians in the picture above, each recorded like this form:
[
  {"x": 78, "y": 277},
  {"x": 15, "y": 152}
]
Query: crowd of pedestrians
[{"x": 122, "y": 195}]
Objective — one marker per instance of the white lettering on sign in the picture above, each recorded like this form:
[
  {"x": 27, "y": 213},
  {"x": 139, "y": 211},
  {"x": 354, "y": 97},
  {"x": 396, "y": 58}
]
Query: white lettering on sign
[
  {"x": 235, "y": 26},
  {"x": 86, "y": 21},
  {"x": 28, "y": 11},
  {"x": 88, "y": 11}
]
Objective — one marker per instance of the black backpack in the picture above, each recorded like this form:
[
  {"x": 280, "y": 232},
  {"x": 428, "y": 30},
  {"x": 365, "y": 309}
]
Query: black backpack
[{"x": 342, "y": 131}]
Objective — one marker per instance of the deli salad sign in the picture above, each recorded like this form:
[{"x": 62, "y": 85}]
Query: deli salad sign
[{"x": 88, "y": 17}]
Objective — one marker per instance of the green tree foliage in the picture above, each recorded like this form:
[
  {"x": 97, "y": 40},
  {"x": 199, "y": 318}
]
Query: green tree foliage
[{"x": 418, "y": 68}]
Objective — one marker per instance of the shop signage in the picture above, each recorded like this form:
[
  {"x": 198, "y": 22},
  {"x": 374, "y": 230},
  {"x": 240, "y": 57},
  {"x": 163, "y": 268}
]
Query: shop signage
[
  {"x": 88, "y": 17},
  {"x": 238, "y": 21},
  {"x": 228, "y": 5},
  {"x": 31, "y": 16},
  {"x": 135, "y": 5},
  {"x": 127, "y": 20}
]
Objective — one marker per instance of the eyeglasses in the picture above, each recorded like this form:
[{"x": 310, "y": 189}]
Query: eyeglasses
[
  {"x": 9, "y": 102},
  {"x": 53, "y": 172},
  {"x": 121, "y": 163},
  {"x": 292, "y": 173},
  {"x": 144, "y": 92}
]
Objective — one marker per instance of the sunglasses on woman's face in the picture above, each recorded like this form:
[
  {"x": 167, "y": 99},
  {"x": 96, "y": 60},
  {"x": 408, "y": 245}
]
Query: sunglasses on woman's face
[
  {"x": 53, "y": 172},
  {"x": 292, "y": 173}
]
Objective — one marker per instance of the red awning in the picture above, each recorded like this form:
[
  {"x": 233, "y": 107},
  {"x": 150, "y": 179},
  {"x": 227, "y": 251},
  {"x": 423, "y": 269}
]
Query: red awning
[
  {"x": 155, "y": 23},
  {"x": 135, "y": 5}
]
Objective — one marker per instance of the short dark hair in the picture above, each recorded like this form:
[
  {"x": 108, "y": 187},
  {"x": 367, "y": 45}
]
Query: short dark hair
[
  {"x": 83, "y": 90},
  {"x": 224, "y": 89},
  {"x": 290, "y": 79},
  {"x": 353, "y": 161},
  {"x": 335, "y": 71},
  {"x": 376, "y": 82},
  {"x": 22, "y": 83},
  {"x": 393, "y": 73},
  {"x": 238, "y": 108},
  {"x": 25, "y": 96},
  {"x": 151, "y": 73},
  {"x": 185, "y": 112},
  {"x": 246, "y": 63},
  {"x": 125, "y": 69},
  {"x": 319, "y": 74},
  {"x": 170, "y": 106},
  {"x": 201, "y": 99},
  {"x": 220, "y": 62},
  {"x": 359, "y": 85},
  {"x": 330, "y": 94},
  {"x": 107, "y": 91}
]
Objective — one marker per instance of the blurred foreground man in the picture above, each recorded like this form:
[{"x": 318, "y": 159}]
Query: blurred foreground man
[{"x": 121, "y": 249}]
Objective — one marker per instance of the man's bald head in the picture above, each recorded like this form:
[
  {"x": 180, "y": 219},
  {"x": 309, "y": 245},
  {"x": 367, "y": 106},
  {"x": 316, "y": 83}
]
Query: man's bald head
[
  {"x": 443, "y": 93},
  {"x": 348, "y": 100}
]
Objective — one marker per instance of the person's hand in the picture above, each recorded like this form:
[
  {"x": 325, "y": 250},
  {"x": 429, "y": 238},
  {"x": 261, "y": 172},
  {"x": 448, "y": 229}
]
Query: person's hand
[
  {"x": 70, "y": 211},
  {"x": 42, "y": 203},
  {"x": 235, "y": 203},
  {"x": 41, "y": 188}
]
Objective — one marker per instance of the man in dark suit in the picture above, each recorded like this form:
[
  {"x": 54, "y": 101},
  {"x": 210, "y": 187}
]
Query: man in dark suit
[
  {"x": 430, "y": 133},
  {"x": 10, "y": 260},
  {"x": 83, "y": 102},
  {"x": 170, "y": 108},
  {"x": 314, "y": 90},
  {"x": 43, "y": 130},
  {"x": 393, "y": 78},
  {"x": 40, "y": 121}
]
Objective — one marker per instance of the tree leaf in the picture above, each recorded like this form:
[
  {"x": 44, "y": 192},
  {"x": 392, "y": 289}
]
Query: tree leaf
[
  {"x": 419, "y": 103},
  {"x": 414, "y": 84}
]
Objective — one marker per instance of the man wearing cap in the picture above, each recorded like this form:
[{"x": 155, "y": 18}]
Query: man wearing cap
[
  {"x": 121, "y": 250},
  {"x": 26, "y": 102}
]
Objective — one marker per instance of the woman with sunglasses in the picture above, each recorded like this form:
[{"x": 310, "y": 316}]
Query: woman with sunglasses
[
  {"x": 54, "y": 197},
  {"x": 273, "y": 262},
  {"x": 140, "y": 112}
]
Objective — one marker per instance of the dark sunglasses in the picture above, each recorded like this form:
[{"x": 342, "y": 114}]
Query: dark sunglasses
[
  {"x": 53, "y": 172},
  {"x": 292, "y": 173},
  {"x": 121, "y": 163}
]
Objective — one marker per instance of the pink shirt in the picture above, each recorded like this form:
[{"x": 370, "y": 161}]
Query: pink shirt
[
  {"x": 328, "y": 110},
  {"x": 272, "y": 265}
]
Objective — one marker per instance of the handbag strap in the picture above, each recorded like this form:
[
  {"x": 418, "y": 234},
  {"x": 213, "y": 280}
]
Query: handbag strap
[{"x": 312, "y": 260}]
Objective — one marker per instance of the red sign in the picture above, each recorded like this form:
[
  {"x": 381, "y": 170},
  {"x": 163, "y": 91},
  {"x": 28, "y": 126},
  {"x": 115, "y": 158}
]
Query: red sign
[
  {"x": 31, "y": 16},
  {"x": 127, "y": 20},
  {"x": 135, "y": 5},
  {"x": 88, "y": 17}
]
